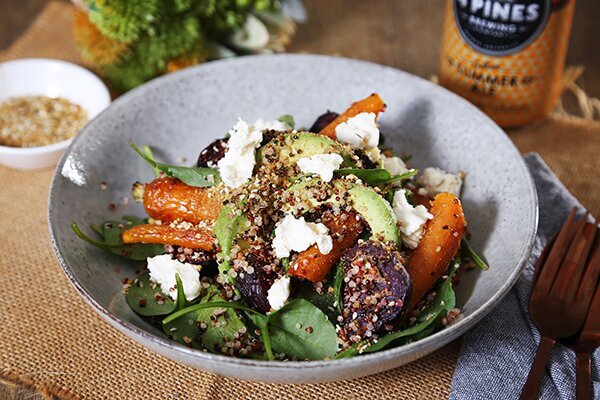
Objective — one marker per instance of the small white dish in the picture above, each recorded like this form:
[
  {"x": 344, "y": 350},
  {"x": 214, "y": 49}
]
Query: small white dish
[{"x": 52, "y": 78}]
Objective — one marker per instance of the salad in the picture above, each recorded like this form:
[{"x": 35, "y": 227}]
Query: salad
[{"x": 295, "y": 244}]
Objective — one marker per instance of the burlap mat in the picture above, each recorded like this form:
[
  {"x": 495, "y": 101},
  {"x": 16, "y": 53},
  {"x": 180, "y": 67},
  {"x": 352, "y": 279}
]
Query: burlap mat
[{"x": 52, "y": 345}]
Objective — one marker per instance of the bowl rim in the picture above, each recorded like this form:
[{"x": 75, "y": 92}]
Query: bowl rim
[
  {"x": 422, "y": 346},
  {"x": 42, "y": 62}
]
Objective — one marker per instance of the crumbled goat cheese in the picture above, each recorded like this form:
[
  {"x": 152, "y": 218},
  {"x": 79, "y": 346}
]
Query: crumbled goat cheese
[
  {"x": 321, "y": 164},
  {"x": 163, "y": 269},
  {"x": 279, "y": 292},
  {"x": 375, "y": 155},
  {"x": 298, "y": 235},
  {"x": 394, "y": 165},
  {"x": 276, "y": 125},
  {"x": 359, "y": 131},
  {"x": 411, "y": 219},
  {"x": 237, "y": 165},
  {"x": 436, "y": 181}
]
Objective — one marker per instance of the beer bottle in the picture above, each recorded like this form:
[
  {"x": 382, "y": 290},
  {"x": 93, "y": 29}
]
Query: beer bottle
[{"x": 506, "y": 56}]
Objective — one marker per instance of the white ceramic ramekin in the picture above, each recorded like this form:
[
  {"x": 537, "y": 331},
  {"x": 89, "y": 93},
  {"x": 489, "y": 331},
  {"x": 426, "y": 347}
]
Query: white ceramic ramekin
[{"x": 53, "y": 78}]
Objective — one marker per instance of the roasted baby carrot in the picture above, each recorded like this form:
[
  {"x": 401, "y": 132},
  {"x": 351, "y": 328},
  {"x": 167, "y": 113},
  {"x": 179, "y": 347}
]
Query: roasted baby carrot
[
  {"x": 344, "y": 230},
  {"x": 167, "y": 199},
  {"x": 165, "y": 234},
  {"x": 371, "y": 104},
  {"x": 439, "y": 244}
]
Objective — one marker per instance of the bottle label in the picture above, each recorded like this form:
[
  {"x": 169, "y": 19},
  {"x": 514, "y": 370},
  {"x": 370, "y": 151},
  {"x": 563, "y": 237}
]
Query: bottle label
[{"x": 500, "y": 27}]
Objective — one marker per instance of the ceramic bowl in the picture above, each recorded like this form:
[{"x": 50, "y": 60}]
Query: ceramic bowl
[
  {"x": 52, "y": 78},
  {"x": 183, "y": 112}
]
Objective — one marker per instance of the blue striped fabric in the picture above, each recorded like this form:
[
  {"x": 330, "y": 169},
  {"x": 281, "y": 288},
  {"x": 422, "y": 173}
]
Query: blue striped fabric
[{"x": 496, "y": 355}]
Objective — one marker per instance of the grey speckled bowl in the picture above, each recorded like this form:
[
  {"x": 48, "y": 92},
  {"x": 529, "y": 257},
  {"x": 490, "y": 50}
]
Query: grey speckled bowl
[{"x": 183, "y": 112}]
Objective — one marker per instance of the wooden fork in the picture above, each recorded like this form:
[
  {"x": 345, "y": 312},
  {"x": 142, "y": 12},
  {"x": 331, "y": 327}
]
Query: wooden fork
[
  {"x": 588, "y": 339},
  {"x": 560, "y": 298}
]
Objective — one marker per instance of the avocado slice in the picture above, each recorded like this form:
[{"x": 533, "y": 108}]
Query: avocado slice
[
  {"x": 376, "y": 211},
  {"x": 290, "y": 147}
]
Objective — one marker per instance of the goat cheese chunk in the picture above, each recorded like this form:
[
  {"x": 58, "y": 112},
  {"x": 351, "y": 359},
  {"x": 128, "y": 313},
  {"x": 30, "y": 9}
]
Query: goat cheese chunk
[
  {"x": 295, "y": 234},
  {"x": 411, "y": 219},
  {"x": 436, "y": 181},
  {"x": 237, "y": 165},
  {"x": 394, "y": 165},
  {"x": 359, "y": 131},
  {"x": 279, "y": 292},
  {"x": 321, "y": 164},
  {"x": 275, "y": 125},
  {"x": 163, "y": 269}
]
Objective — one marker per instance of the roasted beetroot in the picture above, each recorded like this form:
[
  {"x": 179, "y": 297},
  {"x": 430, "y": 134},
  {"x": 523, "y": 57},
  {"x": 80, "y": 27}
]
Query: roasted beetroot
[
  {"x": 254, "y": 282},
  {"x": 323, "y": 121},
  {"x": 376, "y": 291},
  {"x": 210, "y": 156}
]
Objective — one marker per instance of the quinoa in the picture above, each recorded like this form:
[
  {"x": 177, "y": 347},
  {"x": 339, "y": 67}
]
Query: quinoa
[{"x": 31, "y": 121}]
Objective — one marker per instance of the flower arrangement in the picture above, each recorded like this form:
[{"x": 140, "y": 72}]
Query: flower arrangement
[{"x": 131, "y": 41}]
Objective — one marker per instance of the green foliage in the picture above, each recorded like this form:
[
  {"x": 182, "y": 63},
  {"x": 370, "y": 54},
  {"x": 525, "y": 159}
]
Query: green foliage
[
  {"x": 124, "y": 20},
  {"x": 159, "y": 31}
]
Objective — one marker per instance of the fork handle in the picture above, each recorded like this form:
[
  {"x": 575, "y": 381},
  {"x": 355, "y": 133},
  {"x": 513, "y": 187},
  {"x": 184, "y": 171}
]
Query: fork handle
[
  {"x": 584, "y": 376},
  {"x": 536, "y": 373}
]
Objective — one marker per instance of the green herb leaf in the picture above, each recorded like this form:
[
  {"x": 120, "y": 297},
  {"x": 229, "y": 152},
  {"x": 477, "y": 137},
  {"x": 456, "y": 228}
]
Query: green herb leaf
[
  {"x": 142, "y": 298},
  {"x": 377, "y": 176},
  {"x": 288, "y": 119},
  {"x": 300, "y": 329},
  {"x": 193, "y": 176},
  {"x": 468, "y": 252},
  {"x": 135, "y": 251}
]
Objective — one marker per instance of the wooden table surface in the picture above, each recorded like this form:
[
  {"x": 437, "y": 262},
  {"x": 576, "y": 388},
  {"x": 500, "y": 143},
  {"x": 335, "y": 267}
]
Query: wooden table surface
[{"x": 406, "y": 34}]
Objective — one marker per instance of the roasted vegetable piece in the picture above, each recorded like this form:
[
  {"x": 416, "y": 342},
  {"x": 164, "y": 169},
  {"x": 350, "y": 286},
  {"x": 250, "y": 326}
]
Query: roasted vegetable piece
[
  {"x": 254, "y": 286},
  {"x": 323, "y": 121},
  {"x": 212, "y": 154},
  {"x": 376, "y": 291},
  {"x": 345, "y": 229},
  {"x": 164, "y": 234},
  {"x": 371, "y": 104},
  {"x": 439, "y": 244},
  {"x": 167, "y": 199}
]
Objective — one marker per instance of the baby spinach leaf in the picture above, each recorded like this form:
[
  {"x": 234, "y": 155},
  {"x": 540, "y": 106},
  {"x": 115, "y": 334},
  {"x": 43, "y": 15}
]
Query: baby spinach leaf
[
  {"x": 288, "y": 119},
  {"x": 377, "y": 176},
  {"x": 324, "y": 301},
  {"x": 97, "y": 230},
  {"x": 338, "y": 285},
  {"x": 468, "y": 252},
  {"x": 148, "y": 151},
  {"x": 193, "y": 176},
  {"x": 184, "y": 330},
  {"x": 135, "y": 251},
  {"x": 213, "y": 336},
  {"x": 142, "y": 297},
  {"x": 228, "y": 225},
  {"x": 181, "y": 300},
  {"x": 300, "y": 329}
]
